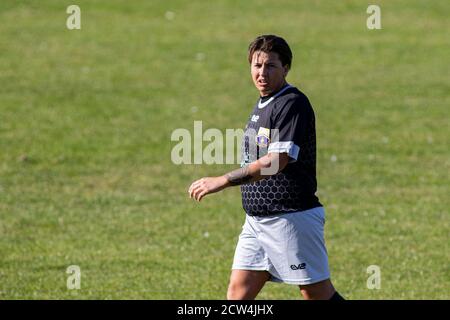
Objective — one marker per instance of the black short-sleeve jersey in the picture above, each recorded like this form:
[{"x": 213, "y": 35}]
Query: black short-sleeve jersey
[{"x": 282, "y": 123}]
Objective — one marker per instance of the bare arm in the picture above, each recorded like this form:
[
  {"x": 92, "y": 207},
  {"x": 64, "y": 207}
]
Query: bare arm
[{"x": 264, "y": 167}]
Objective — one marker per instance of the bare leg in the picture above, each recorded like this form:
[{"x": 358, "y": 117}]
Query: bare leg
[
  {"x": 322, "y": 290},
  {"x": 246, "y": 284}
]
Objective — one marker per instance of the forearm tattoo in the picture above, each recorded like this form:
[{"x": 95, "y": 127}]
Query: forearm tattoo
[{"x": 239, "y": 176}]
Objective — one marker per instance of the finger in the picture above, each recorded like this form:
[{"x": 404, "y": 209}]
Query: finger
[
  {"x": 191, "y": 192},
  {"x": 195, "y": 191},
  {"x": 201, "y": 195},
  {"x": 194, "y": 184}
]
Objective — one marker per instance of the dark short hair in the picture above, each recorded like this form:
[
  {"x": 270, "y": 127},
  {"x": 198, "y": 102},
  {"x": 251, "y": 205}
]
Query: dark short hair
[{"x": 271, "y": 43}]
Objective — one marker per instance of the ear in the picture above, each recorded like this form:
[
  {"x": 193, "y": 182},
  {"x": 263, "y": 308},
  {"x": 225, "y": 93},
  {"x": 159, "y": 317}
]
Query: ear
[{"x": 286, "y": 70}]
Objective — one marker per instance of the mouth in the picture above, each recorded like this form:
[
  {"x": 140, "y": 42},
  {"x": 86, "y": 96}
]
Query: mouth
[{"x": 262, "y": 83}]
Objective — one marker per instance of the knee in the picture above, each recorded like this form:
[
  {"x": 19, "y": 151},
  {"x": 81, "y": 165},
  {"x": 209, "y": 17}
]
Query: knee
[
  {"x": 319, "y": 291},
  {"x": 246, "y": 284},
  {"x": 239, "y": 291},
  {"x": 317, "y": 295},
  {"x": 235, "y": 291}
]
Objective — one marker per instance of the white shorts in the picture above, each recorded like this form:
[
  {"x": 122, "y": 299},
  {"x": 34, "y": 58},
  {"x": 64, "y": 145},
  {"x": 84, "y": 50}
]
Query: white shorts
[{"x": 291, "y": 246}]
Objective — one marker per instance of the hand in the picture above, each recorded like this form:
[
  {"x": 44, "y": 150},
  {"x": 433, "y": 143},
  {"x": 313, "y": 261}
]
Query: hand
[{"x": 204, "y": 186}]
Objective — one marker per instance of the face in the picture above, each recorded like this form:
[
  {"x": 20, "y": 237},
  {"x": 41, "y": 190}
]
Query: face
[{"x": 268, "y": 73}]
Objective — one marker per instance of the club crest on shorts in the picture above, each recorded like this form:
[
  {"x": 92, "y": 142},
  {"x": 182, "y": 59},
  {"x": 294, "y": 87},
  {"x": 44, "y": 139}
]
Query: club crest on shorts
[{"x": 263, "y": 137}]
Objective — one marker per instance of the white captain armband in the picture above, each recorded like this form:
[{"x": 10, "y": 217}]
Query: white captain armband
[{"x": 285, "y": 147}]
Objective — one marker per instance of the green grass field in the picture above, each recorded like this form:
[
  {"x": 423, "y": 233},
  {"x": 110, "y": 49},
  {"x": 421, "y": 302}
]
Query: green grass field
[{"x": 86, "y": 118}]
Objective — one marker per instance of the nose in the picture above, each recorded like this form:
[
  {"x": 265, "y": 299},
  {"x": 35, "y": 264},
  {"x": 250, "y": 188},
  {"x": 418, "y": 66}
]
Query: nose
[{"x": 263, "y": 71}]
